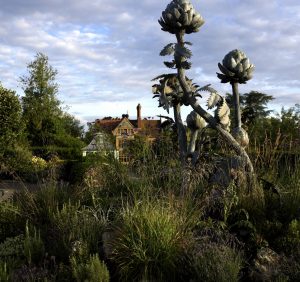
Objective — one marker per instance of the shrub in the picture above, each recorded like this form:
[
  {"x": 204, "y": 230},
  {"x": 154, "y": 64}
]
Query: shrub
[
  {"x": 34, "y": 249},
  {"x": 12, "y": 247},
  {"x": 150, "y": 241},
  {"x": 10, "y": 224},
  {"x": 93, "y": 270},
  {"x": 4, "y": 275},
  {"x": 74, "y": 223},
  {"x": 215, "y": 262}
]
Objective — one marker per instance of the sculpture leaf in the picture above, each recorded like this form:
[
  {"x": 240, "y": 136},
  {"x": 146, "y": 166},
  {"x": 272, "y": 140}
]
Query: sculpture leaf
[{"x": 167, "y": 50}]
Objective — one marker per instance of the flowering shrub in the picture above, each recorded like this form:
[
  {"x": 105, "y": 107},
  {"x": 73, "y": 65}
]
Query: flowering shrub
[{"x": 38, "y": 163}]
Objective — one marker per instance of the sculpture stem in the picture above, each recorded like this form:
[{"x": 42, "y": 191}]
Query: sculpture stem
[
  {"x": 192, "y": 145},
  {"x": 236, "y": 100},
  {"x": 181, "y": 132}
]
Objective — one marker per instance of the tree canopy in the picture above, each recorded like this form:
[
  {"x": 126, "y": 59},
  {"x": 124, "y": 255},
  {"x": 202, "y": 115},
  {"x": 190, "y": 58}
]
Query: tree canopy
[
  {"x": 46, "y": 122},
  {"x": 40, "y": 104},
  {"x": 10, "y": 117}
]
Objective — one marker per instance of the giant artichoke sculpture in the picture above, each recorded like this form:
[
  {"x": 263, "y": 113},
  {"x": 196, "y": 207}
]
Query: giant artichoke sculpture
[
  {"x": 180, "y": 15},
  {"x": 236, "y": 67}
]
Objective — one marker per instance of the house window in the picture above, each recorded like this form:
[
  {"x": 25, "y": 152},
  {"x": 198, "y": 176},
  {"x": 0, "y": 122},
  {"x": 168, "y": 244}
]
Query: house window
[{"x": 123, "y": 158}]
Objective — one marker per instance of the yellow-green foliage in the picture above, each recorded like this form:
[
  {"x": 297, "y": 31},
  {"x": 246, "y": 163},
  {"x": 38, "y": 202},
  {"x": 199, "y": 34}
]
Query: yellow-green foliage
[
  {"x": 93, "y": 270},
  {"x": 4, "y": 275},
  {"x": 150, "y": 241},
  {"x": 34, "y": 248}
]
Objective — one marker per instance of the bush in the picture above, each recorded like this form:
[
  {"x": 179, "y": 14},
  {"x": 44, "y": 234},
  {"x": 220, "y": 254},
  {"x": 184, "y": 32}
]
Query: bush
[
  {"x": 74, "y": 223},
  {"x": 215, "y": 262},
  {"x": 149, "y": 242},
  {"x": 4, "y": 275},
  {"x": 10, "y": 223},
  {"x": 94, "y": 270}
]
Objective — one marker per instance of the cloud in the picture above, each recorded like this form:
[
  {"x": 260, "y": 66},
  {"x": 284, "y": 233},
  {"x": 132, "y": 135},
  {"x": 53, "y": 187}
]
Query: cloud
[{"x": 106, "y": 52}]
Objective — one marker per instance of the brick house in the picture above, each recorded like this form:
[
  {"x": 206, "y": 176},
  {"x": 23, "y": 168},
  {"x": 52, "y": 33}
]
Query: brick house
[{"x": 124, "y": 129}]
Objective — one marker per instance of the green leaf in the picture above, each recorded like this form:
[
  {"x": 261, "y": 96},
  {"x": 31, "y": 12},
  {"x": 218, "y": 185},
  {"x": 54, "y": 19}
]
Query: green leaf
[
  {"x": 167, "y": 50},
  {"x": 182, "y": 51},
  {"x": 170, "y": 65},
  {"x": 165, "y": 76},
  {"x": 186, "y": 65}
]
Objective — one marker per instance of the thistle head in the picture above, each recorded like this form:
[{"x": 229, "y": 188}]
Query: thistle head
[
  {"x": 180, "y": 15},
  {"x": 235, "y": 67},
  {"x": 195, "y": 121}
]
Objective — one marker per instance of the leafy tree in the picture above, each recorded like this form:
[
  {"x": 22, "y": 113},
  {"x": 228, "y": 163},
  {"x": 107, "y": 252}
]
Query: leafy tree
[
  {"x": 254, "y": 106},
  {"x": 71, "y": 125},
  {"x": 49, "y": 129},
  {"x": 10, "y": 118},
  {"x": 41, "y": 108}
]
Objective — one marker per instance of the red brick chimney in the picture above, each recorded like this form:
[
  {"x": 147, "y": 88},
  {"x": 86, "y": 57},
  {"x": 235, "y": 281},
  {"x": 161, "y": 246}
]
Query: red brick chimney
[{"x": 139, "y": 117}]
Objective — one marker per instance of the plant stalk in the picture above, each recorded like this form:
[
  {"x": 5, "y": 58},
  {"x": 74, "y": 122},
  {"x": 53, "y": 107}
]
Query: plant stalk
[
  {"x": 236, "y": 100},
  {"x": 181, "y": 132}
]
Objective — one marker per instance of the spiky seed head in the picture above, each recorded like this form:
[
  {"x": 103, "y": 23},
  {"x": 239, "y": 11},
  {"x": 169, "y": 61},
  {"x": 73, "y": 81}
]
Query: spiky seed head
[
  {"x": 241, "y": 136},
  {"x": 235, "y": 67},
  {"x": 195, "y": 121},
  {"x": 180, "y": 15}
]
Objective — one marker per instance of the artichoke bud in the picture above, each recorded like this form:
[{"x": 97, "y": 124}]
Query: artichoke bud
[
  {"x": 195, "y": 121},
  {"x": 180, "y": 15},
  {"x": 241, "y": 136},
  {"x": 235, "y": 67}
]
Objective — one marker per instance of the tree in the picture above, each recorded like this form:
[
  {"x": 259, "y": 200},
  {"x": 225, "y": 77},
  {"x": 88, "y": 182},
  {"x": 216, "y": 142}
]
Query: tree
[
  {"x": 49, "y": 129},
  {"x": 72, "y": 126},
  {"x": 41, "y": 108},
  {"x": 253, "y": 106},
  {"x": 10, "y": 118}
]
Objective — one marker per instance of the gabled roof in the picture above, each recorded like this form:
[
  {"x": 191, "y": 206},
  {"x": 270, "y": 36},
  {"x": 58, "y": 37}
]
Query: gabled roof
[
  {"x": 124, "y": 121},
  {"x": 100, "y": 142}
]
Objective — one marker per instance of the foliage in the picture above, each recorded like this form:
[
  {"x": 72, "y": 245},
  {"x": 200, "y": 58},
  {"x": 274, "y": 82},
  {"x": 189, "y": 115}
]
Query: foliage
[
  {"x": 46, "y": 123},
  {"x": 150, "y": 240},
  {"x": 214, "y": 262},
  {"x": 34, "y": 249},
  {"x": 12, "y": 247},
  {"x": 10, "y": 117},
  {"x": 253, "y": 105},
  {"x": 9, "y": 220},
  {"x": 93, "y": 270},
  {"x": 4, "y": 275},
  {"x": 40, "y": 104},
  {"x": 75, "y": 223}
]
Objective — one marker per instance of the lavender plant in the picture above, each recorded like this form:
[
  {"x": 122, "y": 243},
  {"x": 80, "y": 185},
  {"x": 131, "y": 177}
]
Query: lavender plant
[{"x": 175, "y": 89}]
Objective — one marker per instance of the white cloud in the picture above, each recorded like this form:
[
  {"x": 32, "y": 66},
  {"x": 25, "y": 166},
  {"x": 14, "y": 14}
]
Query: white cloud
[{"x": 106, "y": 52}]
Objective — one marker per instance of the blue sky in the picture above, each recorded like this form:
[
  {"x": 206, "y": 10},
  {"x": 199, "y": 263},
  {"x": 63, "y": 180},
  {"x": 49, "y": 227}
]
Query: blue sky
[{"x": 107, "y": 51}]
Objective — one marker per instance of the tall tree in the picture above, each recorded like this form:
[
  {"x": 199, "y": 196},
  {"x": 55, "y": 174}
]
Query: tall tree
[
  {"x": 10, "y": 118},
  {"x": 40, "y": 104},
  {"x": 253, "y": 106}
]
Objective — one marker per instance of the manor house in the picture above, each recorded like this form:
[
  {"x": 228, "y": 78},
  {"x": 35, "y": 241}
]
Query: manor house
[{"x": 122, "y": 129}]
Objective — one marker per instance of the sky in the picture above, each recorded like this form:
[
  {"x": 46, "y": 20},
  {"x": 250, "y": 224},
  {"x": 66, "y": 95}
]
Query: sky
[{"x": 107, "y": 51}]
